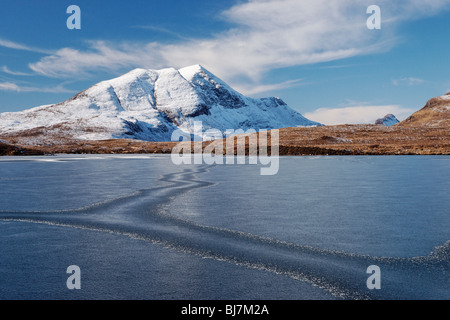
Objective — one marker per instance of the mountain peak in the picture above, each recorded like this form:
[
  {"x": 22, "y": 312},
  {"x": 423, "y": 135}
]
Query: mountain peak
[
  {"x": 135, "y": 73},
  {"x": 194, "y": 68},
  {"x": 189, "y": 73},
  {"x": 150, "y": 104}
]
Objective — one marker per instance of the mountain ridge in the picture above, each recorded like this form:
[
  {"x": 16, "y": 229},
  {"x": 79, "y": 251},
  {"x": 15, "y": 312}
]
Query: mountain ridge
[{"x": 149, "y": 105}]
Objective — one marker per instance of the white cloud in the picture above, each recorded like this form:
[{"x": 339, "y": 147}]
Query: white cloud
[
  {"x": 68, "y": 62},
  {"x": 253, "y": 89},
  {"x": 13, "y": 45},
  {"x": 5, "y": 69},
  {"x": 266, "y": 34},
  {"x": 18, "y": 46},
  {"x": 409, "y": 81},
  {"x": 9, "y": 86},
  {"x": 357, "y": 114},
  {"x": 162, "y": 30}
]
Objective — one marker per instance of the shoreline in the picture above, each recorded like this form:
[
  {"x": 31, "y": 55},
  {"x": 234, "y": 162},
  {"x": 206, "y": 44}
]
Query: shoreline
[{"x": 301, "y": 141}]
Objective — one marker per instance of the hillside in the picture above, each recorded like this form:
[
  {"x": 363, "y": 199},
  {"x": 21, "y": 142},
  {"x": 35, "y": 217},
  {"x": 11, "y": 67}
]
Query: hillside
[{"x": 436, "y": 113}]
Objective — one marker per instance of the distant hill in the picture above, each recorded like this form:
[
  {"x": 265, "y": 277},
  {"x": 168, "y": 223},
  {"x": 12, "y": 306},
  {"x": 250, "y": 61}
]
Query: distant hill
[
  {"x": 388, "y": 120},
  {"x": 436, "y": 113}
]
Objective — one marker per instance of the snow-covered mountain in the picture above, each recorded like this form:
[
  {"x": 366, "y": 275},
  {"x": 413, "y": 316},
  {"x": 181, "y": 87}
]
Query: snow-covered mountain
[
  {"x": 149, "y": 105},
  {"x": 388, "y": 120}
]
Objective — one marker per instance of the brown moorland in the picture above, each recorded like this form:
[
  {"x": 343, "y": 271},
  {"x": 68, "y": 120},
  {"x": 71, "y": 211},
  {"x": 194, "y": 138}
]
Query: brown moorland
[
  {"x": 327, "y": 140},
  {"x": 426, "y": 132}
]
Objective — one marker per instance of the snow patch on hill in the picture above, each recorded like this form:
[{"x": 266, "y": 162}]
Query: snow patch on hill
[{"x": 387, "y": 120}]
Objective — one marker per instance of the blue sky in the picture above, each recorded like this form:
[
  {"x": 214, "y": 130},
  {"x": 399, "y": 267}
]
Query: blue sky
[{"x": 318, "y": 56}]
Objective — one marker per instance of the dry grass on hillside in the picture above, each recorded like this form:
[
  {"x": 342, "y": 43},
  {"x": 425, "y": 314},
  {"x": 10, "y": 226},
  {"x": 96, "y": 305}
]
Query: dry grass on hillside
[{"x": 328, "y": 140}]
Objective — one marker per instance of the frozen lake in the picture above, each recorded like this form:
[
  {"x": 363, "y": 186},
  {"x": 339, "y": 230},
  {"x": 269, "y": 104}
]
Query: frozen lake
[{"x": 140, "y": 227}]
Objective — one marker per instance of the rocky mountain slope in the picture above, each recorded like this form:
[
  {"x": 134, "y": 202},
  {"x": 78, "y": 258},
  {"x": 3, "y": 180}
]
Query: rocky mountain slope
[{"x": 149, "y": 105}]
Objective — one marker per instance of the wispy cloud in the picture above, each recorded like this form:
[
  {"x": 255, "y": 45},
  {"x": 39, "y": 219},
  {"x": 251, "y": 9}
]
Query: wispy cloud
[
  {"x": 267, "y": 34},
  {"x": 10, "y": 86},
  {"x": 18, "y": 46},
  {"x": 14, "y": 45},
  {"x": 253, "y": 89},
  {"x": 5, "y": 69},
  {"x": 341, "y": 66},
  {"x": 102, "y": 56},
  {"x": 162, "y": 30},
  {"x": 409, "y": 81},
  {"x": 357, "y": 114}
]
